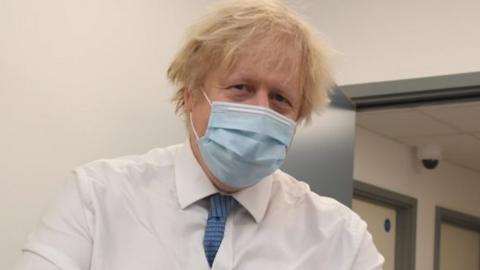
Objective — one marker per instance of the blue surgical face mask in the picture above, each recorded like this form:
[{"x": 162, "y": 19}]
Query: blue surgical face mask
[{"x": 244, "y": 143}]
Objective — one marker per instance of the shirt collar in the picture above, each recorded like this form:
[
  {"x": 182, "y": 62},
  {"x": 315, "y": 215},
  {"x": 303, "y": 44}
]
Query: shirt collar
[
  {"x": 193, "y": 185},
  {"x": 256, "y": 198}
]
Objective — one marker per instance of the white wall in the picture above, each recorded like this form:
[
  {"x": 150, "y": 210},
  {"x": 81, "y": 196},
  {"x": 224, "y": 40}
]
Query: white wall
[
  {"x": 381, "y": 40},
  {"x": 79, "y": 80},
  {"x": 393, "y": 166}
]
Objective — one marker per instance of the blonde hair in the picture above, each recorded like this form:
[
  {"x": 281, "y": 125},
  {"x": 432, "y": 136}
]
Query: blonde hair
[{"x": 216, "y": 40}]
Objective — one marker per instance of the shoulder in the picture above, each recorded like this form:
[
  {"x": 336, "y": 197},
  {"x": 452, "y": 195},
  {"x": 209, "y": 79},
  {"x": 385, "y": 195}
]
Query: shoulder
[
  {"x": 154, "y": 159},
  {"x": 109, "y": 181},
  {"x": 323, "y": 213},
  {"x": 128, "y": 173},
  {"x": 322, "y": 223}
]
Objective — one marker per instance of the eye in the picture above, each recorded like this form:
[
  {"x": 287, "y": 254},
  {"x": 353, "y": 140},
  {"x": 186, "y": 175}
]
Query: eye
[
  {"x": 239, "y": 87},
  {"x": 281, "y": 99},
  {"x": 239, "y": 91}
]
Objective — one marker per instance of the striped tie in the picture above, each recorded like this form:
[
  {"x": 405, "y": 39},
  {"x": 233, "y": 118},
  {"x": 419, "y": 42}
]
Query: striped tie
[{"x": 220, "y": 207}]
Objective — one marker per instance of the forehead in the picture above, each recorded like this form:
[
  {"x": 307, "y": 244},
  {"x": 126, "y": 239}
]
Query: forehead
[{"x": 275, "y": 64}]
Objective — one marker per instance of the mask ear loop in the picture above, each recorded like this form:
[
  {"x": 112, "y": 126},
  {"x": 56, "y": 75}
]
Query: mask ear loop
[
  {"x": 206, "y": 97},
  {"x": 190, "y": 115},
  {"x": 193, "y": 127}
]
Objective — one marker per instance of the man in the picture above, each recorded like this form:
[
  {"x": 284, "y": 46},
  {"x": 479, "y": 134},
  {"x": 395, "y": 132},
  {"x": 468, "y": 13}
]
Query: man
[{"x": 247, "y": 75}]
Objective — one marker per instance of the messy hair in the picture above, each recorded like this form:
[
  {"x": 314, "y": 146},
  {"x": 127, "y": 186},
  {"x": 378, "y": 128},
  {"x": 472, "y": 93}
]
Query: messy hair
[{"x": 232, "y": 25}]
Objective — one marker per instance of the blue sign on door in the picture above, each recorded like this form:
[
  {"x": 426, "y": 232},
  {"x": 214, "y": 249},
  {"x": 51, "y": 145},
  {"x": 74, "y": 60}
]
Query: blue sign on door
[{"x": 387, "y": 225}]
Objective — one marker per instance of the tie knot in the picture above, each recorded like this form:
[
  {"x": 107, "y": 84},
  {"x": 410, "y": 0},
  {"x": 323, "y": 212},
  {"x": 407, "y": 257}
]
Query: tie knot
[{"x": 221, "y": 205}]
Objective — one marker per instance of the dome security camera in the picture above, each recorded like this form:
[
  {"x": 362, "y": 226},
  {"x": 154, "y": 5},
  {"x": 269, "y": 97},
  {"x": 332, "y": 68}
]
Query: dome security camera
[{"x": 430, "y": 155}]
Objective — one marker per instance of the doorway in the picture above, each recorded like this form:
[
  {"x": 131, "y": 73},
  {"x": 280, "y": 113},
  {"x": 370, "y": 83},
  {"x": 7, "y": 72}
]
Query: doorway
[
  {"x": 391, "y": 219},
  {"x": 381, "y": 222},
  {"x": 457, "y": 240}
]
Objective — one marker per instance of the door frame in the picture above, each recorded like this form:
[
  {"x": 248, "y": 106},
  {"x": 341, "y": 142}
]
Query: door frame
[
  {"x": 452, "y": 217},
  {"x": 406, "y": 227}
]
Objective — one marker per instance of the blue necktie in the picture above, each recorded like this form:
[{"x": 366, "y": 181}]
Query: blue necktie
[{"x": 220, "y": 207}]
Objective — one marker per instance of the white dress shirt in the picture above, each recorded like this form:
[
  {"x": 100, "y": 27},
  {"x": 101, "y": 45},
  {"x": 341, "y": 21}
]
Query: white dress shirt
[{"x": 150, "y": 211}]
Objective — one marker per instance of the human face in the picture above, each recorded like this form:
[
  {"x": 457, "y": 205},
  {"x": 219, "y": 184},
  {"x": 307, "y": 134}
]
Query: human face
[{"x": 272, "y": 84}]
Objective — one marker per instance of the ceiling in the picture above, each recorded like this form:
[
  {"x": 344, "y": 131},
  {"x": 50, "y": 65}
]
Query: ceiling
[{"x": 455, "y": 127}]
